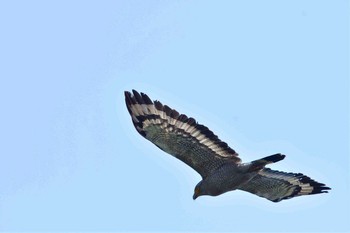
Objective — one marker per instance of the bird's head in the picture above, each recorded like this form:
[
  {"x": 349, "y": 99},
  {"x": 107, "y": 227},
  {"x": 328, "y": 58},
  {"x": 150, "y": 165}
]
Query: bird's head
[
  {"x": 206, "y": 188},
  {"x": 198, "y": 190}
]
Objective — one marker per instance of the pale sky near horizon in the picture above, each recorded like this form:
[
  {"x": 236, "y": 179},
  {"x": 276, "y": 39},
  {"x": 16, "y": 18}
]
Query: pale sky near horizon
[{"x": 266, "y": 76}]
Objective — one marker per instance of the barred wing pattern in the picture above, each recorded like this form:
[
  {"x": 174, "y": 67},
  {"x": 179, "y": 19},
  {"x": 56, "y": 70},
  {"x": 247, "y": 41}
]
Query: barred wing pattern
[
  {"x": 178, "y": 135},
  {"x": 276, "y": 186}
]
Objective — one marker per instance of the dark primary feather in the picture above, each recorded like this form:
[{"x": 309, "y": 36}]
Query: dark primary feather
[{"x": 178, "y": 135}]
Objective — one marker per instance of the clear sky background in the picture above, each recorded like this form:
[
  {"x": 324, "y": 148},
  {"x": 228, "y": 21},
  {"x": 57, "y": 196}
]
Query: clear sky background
[{"x": 266, "y": 76}]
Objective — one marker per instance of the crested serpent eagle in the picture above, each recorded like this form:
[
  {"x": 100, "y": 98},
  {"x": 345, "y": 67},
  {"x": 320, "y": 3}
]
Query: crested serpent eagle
[{"x": 218, "y": 164}]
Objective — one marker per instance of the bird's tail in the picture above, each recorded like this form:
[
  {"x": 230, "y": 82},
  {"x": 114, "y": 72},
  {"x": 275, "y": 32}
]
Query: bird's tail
[{"x": 261, "y": 163}]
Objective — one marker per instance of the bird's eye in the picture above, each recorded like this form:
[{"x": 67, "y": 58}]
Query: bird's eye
[{"x": 196, "y": 190}]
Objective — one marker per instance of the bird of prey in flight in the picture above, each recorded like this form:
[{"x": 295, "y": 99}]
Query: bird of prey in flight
[{"x": 218, "y": 164}]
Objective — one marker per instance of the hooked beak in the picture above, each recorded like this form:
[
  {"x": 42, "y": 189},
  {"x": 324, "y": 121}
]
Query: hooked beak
[{"x": 195, "y": 196}]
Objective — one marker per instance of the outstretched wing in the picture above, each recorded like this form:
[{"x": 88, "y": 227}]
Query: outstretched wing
[
  {"x": 178, "y": 135},
  {"x": 277, "y": 186}
]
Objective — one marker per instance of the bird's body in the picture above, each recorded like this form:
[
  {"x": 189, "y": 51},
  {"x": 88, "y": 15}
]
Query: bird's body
[
  {"x": 218, "y": 164},
  {"x": 231, "y": 177}
]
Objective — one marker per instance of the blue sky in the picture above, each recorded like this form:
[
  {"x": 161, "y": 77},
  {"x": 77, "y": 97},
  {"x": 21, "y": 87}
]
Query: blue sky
[{"x": 266, "y": 76}]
